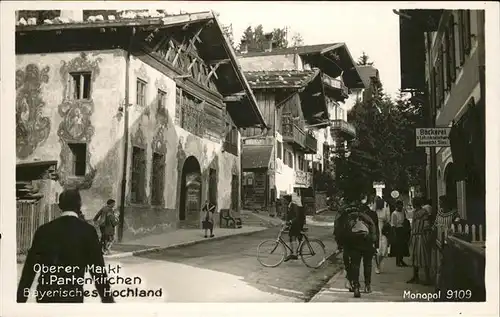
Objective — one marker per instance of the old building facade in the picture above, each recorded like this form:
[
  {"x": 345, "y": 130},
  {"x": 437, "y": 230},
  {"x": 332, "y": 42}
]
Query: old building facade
[
  {"x": 145, "y": 110},
  {"x": 301, "y": 92},
  {"x": 447, "y": 64}
]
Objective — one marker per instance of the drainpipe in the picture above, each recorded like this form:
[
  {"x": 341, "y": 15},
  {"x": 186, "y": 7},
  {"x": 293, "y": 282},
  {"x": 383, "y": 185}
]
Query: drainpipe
[
  {"x": 125, "y": 139},
  {"x": 432, "y": 124}
]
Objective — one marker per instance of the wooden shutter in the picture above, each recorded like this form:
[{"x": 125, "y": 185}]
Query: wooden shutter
[
  {"x": 451, "y": 49},
  {"x": 461, "y": 36}
]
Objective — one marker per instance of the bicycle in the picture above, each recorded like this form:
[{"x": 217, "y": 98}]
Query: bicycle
[{"x": 279, "y": 247}]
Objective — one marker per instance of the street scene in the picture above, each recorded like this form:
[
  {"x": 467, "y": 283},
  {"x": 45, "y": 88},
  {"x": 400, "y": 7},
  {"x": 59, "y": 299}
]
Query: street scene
[{"x": 260, "y": 160}]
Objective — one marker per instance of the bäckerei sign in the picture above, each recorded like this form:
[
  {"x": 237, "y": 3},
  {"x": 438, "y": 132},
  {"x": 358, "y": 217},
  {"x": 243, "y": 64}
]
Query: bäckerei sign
[{"x": 432, "y": 137}]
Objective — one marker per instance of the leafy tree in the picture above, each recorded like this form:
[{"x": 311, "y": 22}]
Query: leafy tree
[
  {"x": 384, "y": 149},
  {"x": 297, "y": 40},
  {"x": 255, "y": 38},
  {"x": 363, "y": 60}
]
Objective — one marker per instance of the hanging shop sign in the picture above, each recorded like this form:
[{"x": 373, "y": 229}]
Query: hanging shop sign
[{"x": 432, "y": 137}]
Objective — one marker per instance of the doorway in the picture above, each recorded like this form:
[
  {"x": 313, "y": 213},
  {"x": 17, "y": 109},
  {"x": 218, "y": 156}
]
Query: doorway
[{"x": 190, "y": 200}]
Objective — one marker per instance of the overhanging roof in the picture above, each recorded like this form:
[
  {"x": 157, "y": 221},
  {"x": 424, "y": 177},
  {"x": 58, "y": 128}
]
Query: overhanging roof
[
  {"x": 245, "y": 113},
  {"x": 333, "y": 59},
  {"x": 285, "y": 79},
  {"x": 412, "y": 27}
]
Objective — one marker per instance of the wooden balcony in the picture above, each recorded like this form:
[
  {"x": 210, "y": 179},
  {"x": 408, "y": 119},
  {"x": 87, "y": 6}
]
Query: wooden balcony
[
  {"x": 343, "y": 129},
  {"x": 303, "y": 179},
  {"x": 336, "y": 86},
  {"x": 311, "y": 144},
  {"x": 293, "y": 133}
]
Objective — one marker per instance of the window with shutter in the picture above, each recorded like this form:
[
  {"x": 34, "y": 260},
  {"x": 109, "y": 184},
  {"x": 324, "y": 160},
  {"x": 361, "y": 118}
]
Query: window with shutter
[
  {"x": 467, "y": 34},
  {"x": 452, "y": 67},
  {"x": 441, "y": 78},
  {"x": 444, "y": 58},
  {"x": 435, "y": 87},
  {"x": 461, "y": 44},
  {"x": 138, "y": 175}
]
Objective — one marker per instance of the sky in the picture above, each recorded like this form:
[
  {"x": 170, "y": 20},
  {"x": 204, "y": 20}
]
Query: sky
[{"x": 373, "y": 29}]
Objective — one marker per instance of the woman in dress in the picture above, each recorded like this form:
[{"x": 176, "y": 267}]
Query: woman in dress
[
  {"x": 420, "y": 235},
  {"x": 384, "y": 222},
  {"x": 399, "y": 243}
]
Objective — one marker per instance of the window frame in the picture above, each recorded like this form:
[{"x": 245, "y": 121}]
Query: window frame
[
  {"x": 74, "y": 157},
  {"x": 157, "y": 189},
  {"x": 161, "y": 97},
  {"x": 141, "y": 96},
  {"x": 82, "y": 76},
  {"x": 138, "y": 195}
]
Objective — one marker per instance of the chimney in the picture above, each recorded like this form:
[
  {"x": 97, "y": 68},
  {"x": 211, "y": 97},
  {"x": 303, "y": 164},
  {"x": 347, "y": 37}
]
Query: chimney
[
  {"x": 243, "y": 47},
  {"x": 72, "y": 15},
  {"x": 269, "y": 42}
]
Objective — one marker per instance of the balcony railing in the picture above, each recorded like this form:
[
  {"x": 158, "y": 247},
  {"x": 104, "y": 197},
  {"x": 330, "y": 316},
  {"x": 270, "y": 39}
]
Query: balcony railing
[
  {"x": 311, "y": 143},
  {"x": 336, "y": 84},
  {"x": 292, "y": 133},
  {"x": 303, "y": 178},
  {"x": 343, "y": 127}
]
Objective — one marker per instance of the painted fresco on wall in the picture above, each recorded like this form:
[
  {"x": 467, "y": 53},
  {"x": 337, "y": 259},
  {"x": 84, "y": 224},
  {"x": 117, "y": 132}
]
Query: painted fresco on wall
[
  {"x": 76, "y": 125},
  {"x": 32, "y": 128}
]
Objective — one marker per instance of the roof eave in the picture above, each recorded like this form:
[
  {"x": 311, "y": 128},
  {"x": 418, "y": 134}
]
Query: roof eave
[
  {"x": 239, "y": 73},
  {"x": 167, "y": 21}
]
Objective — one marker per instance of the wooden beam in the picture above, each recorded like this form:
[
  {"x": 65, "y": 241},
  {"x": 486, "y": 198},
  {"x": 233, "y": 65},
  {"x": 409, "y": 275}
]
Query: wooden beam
[
  {"x": 192, "y": 64},
  {"x": 234, "y": 97},
  {"x": 160, "y": 43},
  {"x": 213, "y": 72},
  {"x": 220, "y": 61}
]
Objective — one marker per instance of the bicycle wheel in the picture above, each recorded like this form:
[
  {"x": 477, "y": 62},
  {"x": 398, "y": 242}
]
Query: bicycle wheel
[
  {"x": 312, "y": 253},
  {"x": 271, "y": 253}
]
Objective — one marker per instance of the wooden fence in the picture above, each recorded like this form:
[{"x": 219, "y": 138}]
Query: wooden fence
[
  {"x": 458, "y": 262},
  {"x": 30, "y": 216}
]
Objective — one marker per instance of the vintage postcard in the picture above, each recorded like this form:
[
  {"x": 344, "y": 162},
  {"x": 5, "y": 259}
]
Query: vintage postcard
[{"x": 323, "y": 153}]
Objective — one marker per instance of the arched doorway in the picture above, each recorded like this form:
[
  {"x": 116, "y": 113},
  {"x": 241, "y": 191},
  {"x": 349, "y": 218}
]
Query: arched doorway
[
  {"x": 450, "y": 185},
  {"x": 190, "y": 200}
]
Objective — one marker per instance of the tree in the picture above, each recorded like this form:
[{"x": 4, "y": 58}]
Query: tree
[
  {"x": 384, "y": 149},
  {"x": 363, "y": 60},
  {"x": 297, "y": 40},
  {"x": 255, "y": 38}
]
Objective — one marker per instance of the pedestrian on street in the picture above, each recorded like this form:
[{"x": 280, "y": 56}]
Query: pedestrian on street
[
  {"x": 107, "y": 221},
  {"x": 68, "y": 243},
  {"x": 400, "y": 236},
  {"x": 296, "y": 220},
  {"x": 420, "y": 246},
  {"x": 208, "y": 221},
  {"x": 384, "y": 226},
  {"x": 360, "y": 238},
  {"x": 339, "y": 234}
]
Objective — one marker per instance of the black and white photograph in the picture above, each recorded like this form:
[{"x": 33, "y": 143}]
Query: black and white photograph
[{"x": 249, "y": 152}]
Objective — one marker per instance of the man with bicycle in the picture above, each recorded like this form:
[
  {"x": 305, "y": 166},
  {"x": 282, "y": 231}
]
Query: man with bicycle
[{"x": 296, "y": 220}]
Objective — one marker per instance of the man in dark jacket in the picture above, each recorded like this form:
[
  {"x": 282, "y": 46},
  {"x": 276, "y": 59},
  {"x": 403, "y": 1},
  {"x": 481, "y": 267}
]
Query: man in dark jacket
[
  {"x": 107, "y": 221},
  {"x": 296, "y": 218},
  {"x": 357, "y": 234},
  {"x": 62, "y": 251}
]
